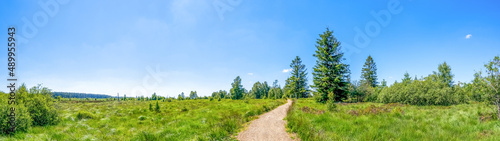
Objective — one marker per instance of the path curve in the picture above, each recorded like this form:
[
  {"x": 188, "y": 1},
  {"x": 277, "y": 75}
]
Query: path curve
[{"x": 268, "y": 127}]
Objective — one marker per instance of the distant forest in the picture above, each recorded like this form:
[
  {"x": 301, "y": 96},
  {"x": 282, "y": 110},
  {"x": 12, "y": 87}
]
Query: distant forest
[{"x": 79, "y": 95}]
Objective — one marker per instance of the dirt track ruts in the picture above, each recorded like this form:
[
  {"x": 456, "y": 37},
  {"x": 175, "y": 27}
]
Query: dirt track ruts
[{"x": 268, "y": 127}]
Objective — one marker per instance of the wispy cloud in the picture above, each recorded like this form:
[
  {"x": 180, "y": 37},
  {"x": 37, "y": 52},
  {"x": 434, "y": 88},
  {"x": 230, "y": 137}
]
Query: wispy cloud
[
  {"x": 286, "y": 70},
  {"x": 250, "y": 73},
  {"x": 468, "y": 36}
]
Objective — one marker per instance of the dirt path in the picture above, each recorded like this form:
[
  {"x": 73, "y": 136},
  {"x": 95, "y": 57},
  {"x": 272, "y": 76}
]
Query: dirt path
[{"x": 268, "y": 127}]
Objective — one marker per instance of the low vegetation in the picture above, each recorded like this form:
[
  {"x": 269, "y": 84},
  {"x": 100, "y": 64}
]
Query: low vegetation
[
  {"x": 376, "y": 121},
  {"x": 200, "y": 119}
]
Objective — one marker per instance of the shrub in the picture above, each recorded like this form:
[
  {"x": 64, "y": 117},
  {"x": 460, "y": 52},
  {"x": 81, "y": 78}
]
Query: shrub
[
  {"x": 41, "y": 110},
  {"x": 85, "y": 115},
  {"x": 150, "y": 107},
  {"x": 331, "y": 106},
  {"x": 22, "y": 119},
  {"x": 422, "y": 92},
  {"x": 184, "y": 109},
  {"x": 142, "y": 117},
  {"x": 157, "y": 109},
  {"x": 219, "y": 99}
]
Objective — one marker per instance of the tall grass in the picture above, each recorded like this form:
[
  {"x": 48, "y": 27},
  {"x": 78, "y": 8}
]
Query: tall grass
[
  {"x": 375, "y": 121},
  {"x": 132, "y": 120}
]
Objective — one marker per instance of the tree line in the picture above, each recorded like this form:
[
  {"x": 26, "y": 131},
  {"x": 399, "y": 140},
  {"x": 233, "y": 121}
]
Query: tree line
[{"x": 332, "y": 82}]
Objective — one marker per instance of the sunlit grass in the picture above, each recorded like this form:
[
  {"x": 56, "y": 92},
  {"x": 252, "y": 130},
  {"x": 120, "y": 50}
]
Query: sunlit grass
[
  {"x": 199, "y": 119},
  {"x": 375, "y": 121}
]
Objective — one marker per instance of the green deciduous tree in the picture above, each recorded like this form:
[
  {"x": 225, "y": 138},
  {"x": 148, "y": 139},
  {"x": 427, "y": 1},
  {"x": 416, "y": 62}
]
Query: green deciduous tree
[
  {"x": 193, "y": 95},
  {"x": 329, "y": 74},
  {"x": 276, "y": 92},
  {"x": 492, "y": 82},
  {"x": 383, "y": 83},
  {"x": 237, "y": 90},
  {"x": 444, "y": 74},
  {"x": 265, "y": 88},
  {"x": 406, "y": 79},
  {"x": 257, "y": 91},
  {"x": 369, "y": 72}
]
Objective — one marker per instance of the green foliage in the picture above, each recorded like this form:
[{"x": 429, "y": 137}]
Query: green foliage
[
  {"x": 127, "y": 120},
  {"x": 193, "y": 95},
  {"x": 275, "y": 92},
  {"x": 41, "y": 111},
  {"x": 157, "y": 108},
  {"x": 435, "y": 89},
  {"x": 220, "y": 94},
  {"x": 329, "y": 74},
  {"x": 422, "y": 92},
  {"x": 142, "y": 117},
  {"x": 85, "y": 115},
  {"x": 331, "y": 106},
  {"x": 184, "y": 109},
  {"x": 181, "y": 96},
  {"x": 39, "y": 103},
  {"x": 23, "y": 120},
  {"x": 384, "y": 83},
  {"x": 297, "y": 82},
  {"x": 492, "y": 83},
  {"x": 361, "y": 92},
  {"x": 375, "y": 121},
  {"x": 150, "y": 107},
  {"x": 369, "y": 72},
  {"x": 444, "y": 74},
  {"x": 257, "y": 91},
  {"x": 237, "y": 89}
]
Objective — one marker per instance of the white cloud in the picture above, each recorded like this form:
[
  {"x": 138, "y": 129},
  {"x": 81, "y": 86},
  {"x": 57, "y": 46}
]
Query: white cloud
[
  {"x": 286, "y": 70},
  {"x": 468, "y": 36},
  {"x": 250, "y": 73},
  {"x": 390, "y": 77}
]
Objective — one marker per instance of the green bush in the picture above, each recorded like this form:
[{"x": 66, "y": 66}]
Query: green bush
[
  {"x": 85, "y": 115},
  {"x": 422, "y": 92},
  {"x": 22, "y": 119},
  {"x": 331, "y": 105},
  {"x": 142, "y": 117},
  {"x": 184, "y": 109},
  {"x": 42, "y": 111}
]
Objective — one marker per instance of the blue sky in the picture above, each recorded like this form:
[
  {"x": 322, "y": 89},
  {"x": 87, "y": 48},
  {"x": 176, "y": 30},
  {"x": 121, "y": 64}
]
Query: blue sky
[{"x": 169, "y": 47}]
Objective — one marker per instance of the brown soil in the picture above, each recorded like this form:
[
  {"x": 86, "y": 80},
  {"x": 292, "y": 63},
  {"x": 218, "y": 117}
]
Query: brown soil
[{"x": 268, "y": 127}]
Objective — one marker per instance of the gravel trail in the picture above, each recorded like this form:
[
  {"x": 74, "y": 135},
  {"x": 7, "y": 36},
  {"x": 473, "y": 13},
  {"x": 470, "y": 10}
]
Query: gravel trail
[{"x": 268, "y": 127}]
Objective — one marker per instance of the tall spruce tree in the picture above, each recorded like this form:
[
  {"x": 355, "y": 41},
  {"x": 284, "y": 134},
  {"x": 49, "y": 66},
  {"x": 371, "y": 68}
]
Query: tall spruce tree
[
  {"x": 369, "y": 72},
  {"x": 298, "y": 79},
  {"x": 329, "y": 74},
  {"x": 237, "y": 89}
]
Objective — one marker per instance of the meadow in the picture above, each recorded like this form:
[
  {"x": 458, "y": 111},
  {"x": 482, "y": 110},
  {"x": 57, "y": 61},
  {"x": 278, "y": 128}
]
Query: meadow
[
  {"x": 377, "y": 121},
  {"x": 200, "y": 119}
]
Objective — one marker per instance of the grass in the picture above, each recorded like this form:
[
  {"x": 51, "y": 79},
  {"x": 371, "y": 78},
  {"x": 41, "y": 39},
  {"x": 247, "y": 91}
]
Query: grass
[
  {"x": 375, "y": 121},
  {"x": 199, "y": 119}
]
